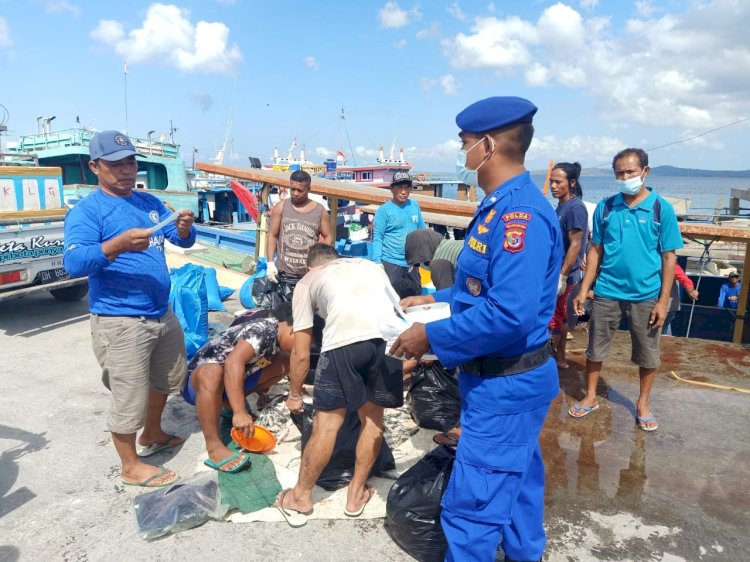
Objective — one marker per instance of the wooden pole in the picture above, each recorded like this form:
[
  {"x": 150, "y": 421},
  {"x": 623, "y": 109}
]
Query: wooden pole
[
  {"x": 549, "y": 173},
  {"x": 333, "y": 208},
  {"x": 739, "y": 321},
  {"x": 262, "y": 230}
]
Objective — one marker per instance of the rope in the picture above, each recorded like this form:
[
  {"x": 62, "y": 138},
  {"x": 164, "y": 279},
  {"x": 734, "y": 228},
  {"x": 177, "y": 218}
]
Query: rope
[{"x": 711, "y": 385}]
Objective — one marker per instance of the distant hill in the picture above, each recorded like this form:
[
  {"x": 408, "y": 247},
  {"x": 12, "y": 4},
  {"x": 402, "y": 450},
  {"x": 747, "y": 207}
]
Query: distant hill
[
  {"x": 666, "y": 171},
  {"x": 673, "y": 171}
]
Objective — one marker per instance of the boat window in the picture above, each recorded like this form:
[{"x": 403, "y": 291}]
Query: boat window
[{"x": 366, "y": 176}]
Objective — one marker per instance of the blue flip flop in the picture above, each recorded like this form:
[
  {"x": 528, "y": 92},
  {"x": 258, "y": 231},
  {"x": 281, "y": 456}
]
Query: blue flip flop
[
  {"x": 586, "y": 410},
  {"x": 244, "y": 463},
  {"x": 639, "y": 420}
]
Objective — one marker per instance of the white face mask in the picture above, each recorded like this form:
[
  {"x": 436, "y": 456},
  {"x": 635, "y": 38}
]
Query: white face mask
[
  {"x": 630, "y": 186},
  {"x": 466, "y": 176}
]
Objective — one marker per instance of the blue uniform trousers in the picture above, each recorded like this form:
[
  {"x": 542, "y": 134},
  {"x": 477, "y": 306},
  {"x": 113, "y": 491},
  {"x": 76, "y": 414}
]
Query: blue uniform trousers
[{"x": 496, "y": 490}]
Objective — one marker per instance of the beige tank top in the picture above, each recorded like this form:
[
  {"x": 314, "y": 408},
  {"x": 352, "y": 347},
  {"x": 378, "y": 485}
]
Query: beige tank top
[{"x": 298, "y": 231}]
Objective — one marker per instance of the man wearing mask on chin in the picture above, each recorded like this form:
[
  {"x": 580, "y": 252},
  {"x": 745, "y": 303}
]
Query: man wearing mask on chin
[
  {"x": 633, "y": 245},
  {"x": 501, "y": 302}
]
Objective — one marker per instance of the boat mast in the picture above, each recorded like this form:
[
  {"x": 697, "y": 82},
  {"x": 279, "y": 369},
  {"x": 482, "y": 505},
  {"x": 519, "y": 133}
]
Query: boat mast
[{"x": 348, "y": 140}]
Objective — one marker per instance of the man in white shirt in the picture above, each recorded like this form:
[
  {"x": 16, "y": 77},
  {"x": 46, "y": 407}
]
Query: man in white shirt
[{"x": 353, "y": 371}]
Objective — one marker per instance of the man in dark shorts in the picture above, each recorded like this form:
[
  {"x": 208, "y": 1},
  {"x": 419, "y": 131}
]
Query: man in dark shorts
[
  {"x": 241, "y": 360},
  {"x": 353, "y": 371}
]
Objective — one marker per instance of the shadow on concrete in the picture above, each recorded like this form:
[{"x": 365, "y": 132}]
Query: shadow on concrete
[
  {"x": 40, "y": 313},
  {"x": 9, "y": 553},
  {"x": 29, "y": 443}
]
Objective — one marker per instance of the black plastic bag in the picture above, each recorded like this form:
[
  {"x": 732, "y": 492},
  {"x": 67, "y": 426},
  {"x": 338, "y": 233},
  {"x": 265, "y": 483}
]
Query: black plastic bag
[
  {"x": 266, "y": 293},
  {"x": 182, "y": 506},
  {"x": 413, "y": 506},
  {"x": 340, "y": 469},
  {"x": 434, "y": 399}
]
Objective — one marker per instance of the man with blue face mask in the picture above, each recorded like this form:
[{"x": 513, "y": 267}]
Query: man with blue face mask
[
  {"x": 501, "y": 302},
  {"x": 633, "y": 245}
]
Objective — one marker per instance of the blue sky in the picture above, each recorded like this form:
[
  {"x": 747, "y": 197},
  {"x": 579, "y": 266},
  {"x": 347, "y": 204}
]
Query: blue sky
[{"x": 605, "y": 74}]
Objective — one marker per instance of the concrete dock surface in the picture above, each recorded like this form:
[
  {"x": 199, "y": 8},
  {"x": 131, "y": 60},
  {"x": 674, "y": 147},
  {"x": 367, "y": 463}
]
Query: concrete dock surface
[{"x": 614, "y": 492}]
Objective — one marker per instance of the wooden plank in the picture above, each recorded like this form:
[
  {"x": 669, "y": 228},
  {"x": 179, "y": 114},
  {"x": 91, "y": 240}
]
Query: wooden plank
[
  {"x": 343, "y": 190},
  {"x": 430, "y": 218},
  {"x": 30, "y": 171},
  {"x": 739, "y": 321},
  {"x": 54, "y": 214},
  {"x": 702, "y": 231},
  {"x": 740, "y": 194}
]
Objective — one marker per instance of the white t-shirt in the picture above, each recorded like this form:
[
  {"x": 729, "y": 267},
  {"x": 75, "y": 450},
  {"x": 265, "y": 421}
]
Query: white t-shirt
[{"x": 350, "y": 295}]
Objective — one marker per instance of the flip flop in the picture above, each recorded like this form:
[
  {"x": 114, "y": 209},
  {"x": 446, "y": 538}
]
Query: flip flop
[
  {"x": 586, "y": 410},
  {"x": 445, "y": 438},
  {"x": 643, "y": 423},
  {"x": 370, "y": 494},
  {"x": 295, "y": 518},
  {"x": 148, "y": 450},
  {"x": 147, "y": 482},
  {"x": 244, "y": 463}
]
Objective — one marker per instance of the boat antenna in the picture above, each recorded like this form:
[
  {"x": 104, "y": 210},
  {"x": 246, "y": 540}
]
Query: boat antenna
[
  {"x": 348, "y": 140},
  {"x": 125, "y": 84},
  {"x": 393, "y": 147},
  {"x": 172, "y": 131}
]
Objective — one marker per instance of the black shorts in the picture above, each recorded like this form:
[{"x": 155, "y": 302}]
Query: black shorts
[{"x": 349, "y": 376}]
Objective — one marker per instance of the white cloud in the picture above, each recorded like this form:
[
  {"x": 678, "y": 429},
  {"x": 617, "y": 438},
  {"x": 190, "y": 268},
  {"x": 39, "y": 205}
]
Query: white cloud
[
  {"x": 426, "y": 83},
  {"x": 575, "y": 148},
  {"x": 494, "y": 44},
  {"x": 537, "y": 75},
  {"x": 62, "y": 7},
  {"x": 448, "y": 84},
  {"x": 688, "y": 69},
  {"x": 400, "y": 43},
  {"x": 589, "y": 4},
  {"x": 441, "y": 152},
  {"x": 391, "y": 16},
  {"x": 645, "y": 8},
  {"x": 6, "y": 41},
  {"x": 168, "y": 37},
  {"x": 429, "y": 32},
  {"x": 310, "y": 62},
  {"x": 456, "y": 11}
]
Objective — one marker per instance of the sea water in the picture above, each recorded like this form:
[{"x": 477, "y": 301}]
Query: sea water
[{"x": 706, "y": 193}]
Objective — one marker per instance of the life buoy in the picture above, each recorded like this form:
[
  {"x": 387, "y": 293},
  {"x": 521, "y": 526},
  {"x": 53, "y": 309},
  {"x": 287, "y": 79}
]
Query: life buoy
[{"x": 421, "y": 177}]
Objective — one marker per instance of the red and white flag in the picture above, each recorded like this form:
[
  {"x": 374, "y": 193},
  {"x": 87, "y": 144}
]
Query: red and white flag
[{"x": 340, "y": 156}]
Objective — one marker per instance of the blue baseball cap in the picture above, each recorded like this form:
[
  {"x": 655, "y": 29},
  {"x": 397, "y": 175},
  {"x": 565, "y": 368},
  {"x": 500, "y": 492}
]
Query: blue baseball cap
[
  {"x": 111, "y": 146},
  {"x": 493, "y": 113}
]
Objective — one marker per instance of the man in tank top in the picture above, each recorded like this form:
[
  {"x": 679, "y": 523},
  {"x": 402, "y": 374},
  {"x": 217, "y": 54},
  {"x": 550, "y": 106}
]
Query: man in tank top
[{"x": 296, "y": 224}]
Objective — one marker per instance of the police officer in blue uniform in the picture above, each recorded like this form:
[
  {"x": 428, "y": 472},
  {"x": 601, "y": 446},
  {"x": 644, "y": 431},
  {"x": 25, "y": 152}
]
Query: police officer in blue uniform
[{"x": 501, "y": 302}]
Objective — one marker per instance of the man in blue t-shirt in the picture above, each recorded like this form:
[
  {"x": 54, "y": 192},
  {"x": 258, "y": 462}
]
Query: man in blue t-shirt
[
  {"x": 634, "y": 241},
  {"x": 393, "y": 221},
  {"x": 111, "y": 237},
  {"x": 729, "y": 295}
]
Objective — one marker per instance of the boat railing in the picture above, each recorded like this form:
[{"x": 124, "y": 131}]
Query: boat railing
[
  {"x": 14, "y": 159},
  {"x": 81, "y": 137}
]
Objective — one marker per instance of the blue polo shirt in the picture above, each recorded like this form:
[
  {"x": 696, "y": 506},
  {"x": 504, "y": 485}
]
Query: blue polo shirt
[{"x": 633, "y": 243}]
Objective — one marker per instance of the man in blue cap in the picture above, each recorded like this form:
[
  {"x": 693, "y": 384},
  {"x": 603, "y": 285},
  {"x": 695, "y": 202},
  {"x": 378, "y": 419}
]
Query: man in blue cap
[
  {"x": 137, "y": 340},
  {"x": 501, "y": 303}
]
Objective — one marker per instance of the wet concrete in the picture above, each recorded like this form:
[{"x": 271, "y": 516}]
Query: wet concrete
[{"x": 614, "y": 492}]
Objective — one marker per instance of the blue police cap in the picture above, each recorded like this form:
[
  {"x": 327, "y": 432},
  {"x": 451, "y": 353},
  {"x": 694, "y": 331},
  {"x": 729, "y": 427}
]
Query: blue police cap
[
  {"x": 111, "y": 146},
  {"x": 493, "y": 113}
]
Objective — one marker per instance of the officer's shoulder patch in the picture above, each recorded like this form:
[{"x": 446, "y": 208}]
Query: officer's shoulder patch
[
  {"x": 477, "y": 246},
  {"x": 515, "y": 240},
  {"x": 517, "y": 216},
  {"x": 474, "y": 286}
]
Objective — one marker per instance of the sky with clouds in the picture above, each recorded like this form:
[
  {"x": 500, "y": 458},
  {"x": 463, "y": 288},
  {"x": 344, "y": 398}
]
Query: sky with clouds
[{"x": 605, "y": 74}]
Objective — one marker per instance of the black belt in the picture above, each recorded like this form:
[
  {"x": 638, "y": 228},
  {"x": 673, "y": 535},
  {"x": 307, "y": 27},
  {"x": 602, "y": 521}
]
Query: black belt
[
  {"x": 142, "y": 317},
  {"x": 502, "y": 367}
]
